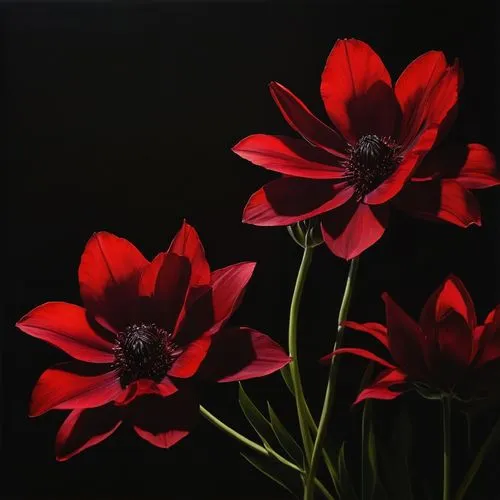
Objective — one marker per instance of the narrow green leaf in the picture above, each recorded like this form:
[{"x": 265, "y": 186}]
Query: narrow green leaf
[
  {"x": 285, "y": 439},
  {"x": 347, "y": 491},
  {"x": 261, "y": 425},
  {"x": 287, "y": 377},
  {"x": 280, "y": 474}
]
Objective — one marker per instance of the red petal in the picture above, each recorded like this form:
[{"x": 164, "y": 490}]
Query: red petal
[
  {"x": 74, "y": 385},
  {"x": 444, "y": 200},
  {"x": 374, "y": 329},
  {"x": 357, "y": 91},
  {"x": 165, "y": 282},
  {"x": 305, "y": 123},
  {"x": 85, "y": 428},
  {"x": 489, "y": 342},
  {"x": 289, "y": 156},
  {"x": 454, "y": 339},
  {"x": 351, "y": 229},
  {"x": 66, "y": 326},
  {"x": 290, "y": 199},
  {"x": 241, "y": 354},
  {"x": 109, "y": 272},
  {"x": 472, "y": 165},
  {"x": 362, "y": 353},
  {"x": 186, "y": 243},
  {"x": 190, "y": 360},
  {"x": 145, "y": 386},
  {"x": 414, "y": 87},
  {"x": 381, "y": 387},
  {"x": 408, "y": 344},
  {"x": 164, "y": 421}
]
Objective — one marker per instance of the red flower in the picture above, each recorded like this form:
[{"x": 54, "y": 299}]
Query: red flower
[
  {"x": 377, "y": 154},
  {"x": 446, "y": 352},
  {"x": 146, "y": 327}
]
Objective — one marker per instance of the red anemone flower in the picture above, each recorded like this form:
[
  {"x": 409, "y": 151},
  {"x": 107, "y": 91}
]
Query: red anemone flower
[
  {"x": 146, "y": 327},
  {"x": 445, "y": 353},
  {"x": 376, "y": 155}
]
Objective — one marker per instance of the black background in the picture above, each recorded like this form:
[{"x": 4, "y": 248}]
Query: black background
[{"x": 121, "y": 118}]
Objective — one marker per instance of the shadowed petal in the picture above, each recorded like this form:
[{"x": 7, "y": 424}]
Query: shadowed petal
[
  {"x": 352, "y": 228},
  {"x": 362, "y": 353},
  {"x": 142, "y": 387},
  {"x": 374, "y": 329},
  {"x": 85, "y": 428},
  {"x": 189, "y": 361},
  {"x": 66, "y": 326},
  {"x": 240, "y": 354},
  {"x": 357, "y": 91},
  {"x": 291, "y": 199},
  {"x": 489, "y": 342},
  {"x": 108, "y": 274},
  {"x": 388, "y": 385},
  {"x": 289, "y": 156},
  {"x": 74, "y": 385}
]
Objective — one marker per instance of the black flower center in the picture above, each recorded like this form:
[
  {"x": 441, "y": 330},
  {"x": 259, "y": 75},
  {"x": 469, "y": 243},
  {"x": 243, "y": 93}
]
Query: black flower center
[
  {"x": 144, "y": 351},
  {"x": 371, "y": 161}
]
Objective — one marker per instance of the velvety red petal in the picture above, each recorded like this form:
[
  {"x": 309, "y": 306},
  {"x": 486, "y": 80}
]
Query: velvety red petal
[
  {"x": 164, "y": 283},
  {"x": 357, "y": 91},
  {"x": 190, "y": 360},
  {"x": 85, "y": 428},
  {"x": 454, "y": 339},
  {"x": 444, "y": 200},
  {"x": 145, "y": 386},
  {"x": 66, "y": 326},
  {"x": 289, "y": 156},
  {"x": 187, "y": 243},
  {"x": 109, "y": 272},
  {"x": 408, "y": 344},
  {"x": 352, "y": 228},
  {"x": 241, "y": 354},
  {"x": 489, "y": 341},
  {"x": 388, "y": 385},
  {"x": 472, "y": 165},
  {"x": 453, "y": 296},
  {"x": 291, "y": 199},
  {"x": 305, "y": 123},
  {"x": 74, "y": 385},
  {"x": 362, "y": 353},
  {"x": 164, "y": 421},
  {"x": 374, "y": 329},
  {"x": 414, "y": 87}
]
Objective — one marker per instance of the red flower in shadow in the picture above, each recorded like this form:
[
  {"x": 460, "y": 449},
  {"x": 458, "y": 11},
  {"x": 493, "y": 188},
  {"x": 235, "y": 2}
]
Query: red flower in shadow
[
  {"x": 379, "y": 153},
  {"x": 146, "y": 328},
  {"x": 445, "y": 352}
]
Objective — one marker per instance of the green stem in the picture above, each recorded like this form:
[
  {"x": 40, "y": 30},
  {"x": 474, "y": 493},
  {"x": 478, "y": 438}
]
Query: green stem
[
  {"x": 332, "y": 377},
  {"x": 446, "y": 406},
  {"x": 476, "y": 464},
  {"x": 258, "y": 448},
  {"x": 292, "y": 346}
]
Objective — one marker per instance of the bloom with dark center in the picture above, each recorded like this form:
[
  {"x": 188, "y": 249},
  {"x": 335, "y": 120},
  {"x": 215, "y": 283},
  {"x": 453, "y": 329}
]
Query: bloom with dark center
[
  {"x": 147, "y": 332},
  {"x": 446, "y": 352},
  {"x": 384, "y": 150}
]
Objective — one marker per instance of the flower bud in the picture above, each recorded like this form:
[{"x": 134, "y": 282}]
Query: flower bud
[{"x": 306, "y": 233}]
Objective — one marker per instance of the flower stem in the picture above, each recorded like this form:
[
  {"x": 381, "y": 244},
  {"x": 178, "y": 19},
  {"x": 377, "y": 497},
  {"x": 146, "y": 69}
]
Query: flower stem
[
  {"x": 292, "y": 347},
  {"x": 332, "y": 378},
  {"x": 446, "y": 406},
  {"x": 258, "y": 448},
  {"x": 491, "y": 439}
]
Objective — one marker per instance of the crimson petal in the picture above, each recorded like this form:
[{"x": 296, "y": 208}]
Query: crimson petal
[
  {"x": 489, "y": 347},
  {"x": 357, "y": 91},
  {"x": 384, "y": 386},
  {"x": 291, "y": 199},
  {"x": 374, "y": 329},
  {"x": 362, "y": 353},
  {"x": 164, "y": 421},
  {"x": 85, "y": 428},
  {"x": 351, "y": 229},
  {"x": 289, "y": 156},
  {"x": 241, "y": 354},
  {"x": 66, "y": 326},
  {"x": 305, "y": 123},
  {"x": 108, "y": 274},
  {"x": 444, "y": 200},
  {"x": 74, "y": 385},
  {"x": 190, "y": 360},
  {"x": 142, "y": 387}
]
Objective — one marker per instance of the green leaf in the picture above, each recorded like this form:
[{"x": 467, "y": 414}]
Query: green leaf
[
  {"x": 280, "y": 474},
  {"x": 261, "y": 425},
  {"x": 285, "y": 439},
  {"x": 347, "y": 491},
  {"x": 287, "y": 377}
]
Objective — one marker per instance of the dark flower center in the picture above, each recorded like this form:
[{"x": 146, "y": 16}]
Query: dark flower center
[
  {"x": 144, "y": 351},
  {"x": 371, "y": 161}
]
